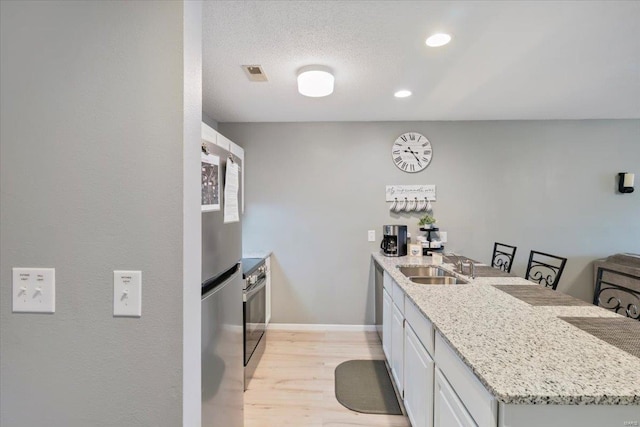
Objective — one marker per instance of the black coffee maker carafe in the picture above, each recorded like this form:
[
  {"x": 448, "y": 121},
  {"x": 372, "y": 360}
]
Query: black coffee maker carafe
[{"x": 394, "y": 240}]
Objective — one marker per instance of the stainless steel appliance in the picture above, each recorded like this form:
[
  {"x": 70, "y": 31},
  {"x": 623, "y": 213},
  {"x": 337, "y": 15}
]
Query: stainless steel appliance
[
  {"x": 255, "y": 314},
  {"x": 394, "y": 240},
  {"x": 222, "y": 322}
]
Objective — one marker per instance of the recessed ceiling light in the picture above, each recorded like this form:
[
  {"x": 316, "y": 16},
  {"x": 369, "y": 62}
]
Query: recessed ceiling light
[
  {"x": 438, "y": 40},
  {"x": 402, "y": 93},
  {"x": 315, "y": 81}
]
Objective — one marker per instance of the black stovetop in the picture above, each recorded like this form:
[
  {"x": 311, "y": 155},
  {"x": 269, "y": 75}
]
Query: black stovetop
[{"x": 250, "y": 264}]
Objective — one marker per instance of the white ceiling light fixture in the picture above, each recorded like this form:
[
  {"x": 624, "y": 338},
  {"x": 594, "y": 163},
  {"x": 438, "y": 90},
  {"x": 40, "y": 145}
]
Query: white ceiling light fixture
[
  {"x": 402, "y": 93},
  {"x": 315, "y": 81},
  {"x": 439, "y": 39}
]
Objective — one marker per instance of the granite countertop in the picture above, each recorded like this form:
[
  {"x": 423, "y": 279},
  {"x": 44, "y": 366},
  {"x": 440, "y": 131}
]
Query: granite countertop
[{"x": 523, "y": 354}]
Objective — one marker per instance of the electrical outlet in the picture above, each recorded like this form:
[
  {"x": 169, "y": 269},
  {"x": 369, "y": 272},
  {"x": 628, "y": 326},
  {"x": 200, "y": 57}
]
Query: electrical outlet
[
  {"x": 443, "y": 236},
  {"x": 372, "y": 235}
]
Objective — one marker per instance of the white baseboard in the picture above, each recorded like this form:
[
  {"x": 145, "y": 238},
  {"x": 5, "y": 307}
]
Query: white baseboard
[{"x": 317, "y": 327}]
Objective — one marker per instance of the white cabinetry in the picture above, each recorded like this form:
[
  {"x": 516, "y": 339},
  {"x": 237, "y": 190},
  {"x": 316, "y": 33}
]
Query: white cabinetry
[
  {"x": 386, "y": 323},
  {"x": 448, "y": 409},
  {"x": 213, "y": 136},
  {"x": 393, "y": 328},
  {"x": 397, "y": 347},
  {"x": 440, "y": 390},
  {"x": 387, "y": 282},
  {"x": 475, "y": 398},
  {"x": 418, "y": 380},
  {"x": 238, "y": 151},
  {"x": 437, "y": 388}
]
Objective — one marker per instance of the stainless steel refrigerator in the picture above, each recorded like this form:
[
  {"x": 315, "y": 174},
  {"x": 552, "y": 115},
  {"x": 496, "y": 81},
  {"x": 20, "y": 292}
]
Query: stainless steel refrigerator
[{"x": 222, "y": 318}]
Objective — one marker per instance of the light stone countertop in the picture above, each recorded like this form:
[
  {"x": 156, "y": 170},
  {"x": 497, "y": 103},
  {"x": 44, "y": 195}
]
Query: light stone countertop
[{"x": 523, "y": 354}]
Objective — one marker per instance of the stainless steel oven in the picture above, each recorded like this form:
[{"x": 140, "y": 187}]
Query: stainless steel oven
[{"x": 255, "y": 314}]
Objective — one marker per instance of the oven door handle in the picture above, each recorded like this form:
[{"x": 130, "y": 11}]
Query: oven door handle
[{"x": 254, "y": 290}]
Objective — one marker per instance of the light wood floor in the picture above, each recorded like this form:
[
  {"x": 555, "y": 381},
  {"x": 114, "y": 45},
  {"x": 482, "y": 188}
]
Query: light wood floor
[{"x": 294, "y": 382}]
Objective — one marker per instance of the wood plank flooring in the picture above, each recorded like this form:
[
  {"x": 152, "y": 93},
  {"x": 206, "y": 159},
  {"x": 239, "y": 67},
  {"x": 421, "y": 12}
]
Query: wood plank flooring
[{"x": 294, "y": 382}]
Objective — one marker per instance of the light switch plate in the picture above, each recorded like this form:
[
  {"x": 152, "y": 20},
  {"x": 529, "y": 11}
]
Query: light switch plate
[
  {"x": 372, "y": 235},
  {"x": 127, "y": 293},
  {"x": 443, "y": 236},
  {"x": 34, "y": 290}
]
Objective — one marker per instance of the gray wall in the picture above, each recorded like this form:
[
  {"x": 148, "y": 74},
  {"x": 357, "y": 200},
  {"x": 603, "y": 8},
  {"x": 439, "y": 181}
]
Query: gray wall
[
  {"x": 314, "y": 189},
  {"x": 209, "y": 121},
  {"x": 93, "y": 185}
]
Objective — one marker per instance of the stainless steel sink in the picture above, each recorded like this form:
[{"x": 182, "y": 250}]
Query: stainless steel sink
[
  {"x": 438, "y": 280},
  {"x": 425, "y": 271},
  {"x": 431, "y": 275}
]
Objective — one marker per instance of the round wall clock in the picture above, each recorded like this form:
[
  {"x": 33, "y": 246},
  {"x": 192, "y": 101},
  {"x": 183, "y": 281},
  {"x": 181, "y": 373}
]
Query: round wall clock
[{"x": 411, "y": 152}]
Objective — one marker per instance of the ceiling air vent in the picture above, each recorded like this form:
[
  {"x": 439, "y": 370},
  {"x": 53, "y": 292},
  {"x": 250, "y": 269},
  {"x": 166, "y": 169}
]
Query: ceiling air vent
[{"x": 255, "y": 73}]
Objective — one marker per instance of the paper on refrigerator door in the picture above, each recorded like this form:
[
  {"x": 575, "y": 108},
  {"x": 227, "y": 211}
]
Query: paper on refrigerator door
[{"x": 231, "y": 184}]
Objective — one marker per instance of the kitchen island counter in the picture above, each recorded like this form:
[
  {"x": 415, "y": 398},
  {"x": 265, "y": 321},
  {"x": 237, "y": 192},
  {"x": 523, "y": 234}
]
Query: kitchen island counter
[{"x": 522, "y": 354}]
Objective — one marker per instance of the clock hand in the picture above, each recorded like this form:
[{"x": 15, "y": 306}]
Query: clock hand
[{"x": 414, "y": 155}]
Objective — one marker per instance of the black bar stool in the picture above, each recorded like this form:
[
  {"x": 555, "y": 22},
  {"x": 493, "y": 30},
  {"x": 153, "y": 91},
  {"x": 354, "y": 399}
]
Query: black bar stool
[
  {"x": 616, "y": 292},
  {"x": 503, "y": 256},
  {"x": 545, "y": 269}
]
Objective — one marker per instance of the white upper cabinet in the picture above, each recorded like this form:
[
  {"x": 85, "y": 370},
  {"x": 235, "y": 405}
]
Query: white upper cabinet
[
  {"x": 238, "y": 151},
  {"x": 224, "y": 142},
  {"x": 209, "y": 134},
  {"x": 213, "y": 136}
]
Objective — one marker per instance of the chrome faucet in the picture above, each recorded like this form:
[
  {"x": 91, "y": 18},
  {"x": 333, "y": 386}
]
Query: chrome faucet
[{"x": 472, "y": 269}]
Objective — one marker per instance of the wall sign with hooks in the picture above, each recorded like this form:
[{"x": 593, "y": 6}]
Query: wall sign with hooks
[{"x": 409, "y": 198}]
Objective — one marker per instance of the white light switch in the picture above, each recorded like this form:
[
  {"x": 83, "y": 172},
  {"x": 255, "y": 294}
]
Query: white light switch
[
  {"x": 127, "y": 293},
  {"x": 443, "y": 236},
  {"x": 372, "y": 235},
  {"x": 34, "y": 290}
]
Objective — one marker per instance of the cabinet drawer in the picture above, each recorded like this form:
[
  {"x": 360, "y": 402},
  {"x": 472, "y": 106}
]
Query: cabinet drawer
[
  {"x": 398, "y": 296},
  {"x": 420, "y": 324},
  {"x": 479, "y": 402}
]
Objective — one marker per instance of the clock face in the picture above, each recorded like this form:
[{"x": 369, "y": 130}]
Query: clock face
[{"x": 411, "y": 152}]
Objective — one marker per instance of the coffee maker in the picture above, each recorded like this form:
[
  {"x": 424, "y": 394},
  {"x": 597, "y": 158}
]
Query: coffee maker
[{"x": 394, "y": 240}]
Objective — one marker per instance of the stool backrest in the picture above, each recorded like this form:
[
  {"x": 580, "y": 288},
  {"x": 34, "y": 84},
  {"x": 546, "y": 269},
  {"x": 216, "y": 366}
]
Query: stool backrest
[
  {"x": 618, "y": 291},
  {"x": 503, "y": 256},
  {"x": 545, "y": 269}
]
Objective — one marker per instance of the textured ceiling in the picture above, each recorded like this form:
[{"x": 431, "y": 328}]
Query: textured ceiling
[{"x": 507, "y": 60}]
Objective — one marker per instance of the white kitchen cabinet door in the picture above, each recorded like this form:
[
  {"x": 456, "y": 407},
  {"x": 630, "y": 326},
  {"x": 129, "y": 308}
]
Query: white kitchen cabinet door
[
  {"x": 397, "y": 348},
  {"x": 418, "y": 380},
  {"x": 448, "y": 410},
  {"x": 386, "y": 324},
  {"x": 387, "y": 282},
  {"x": 479, "y": 403},
  {"x": 224, "y": 142},
  {"x": 209, "y": 134},
  {"x": 238, "y": 151}
]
